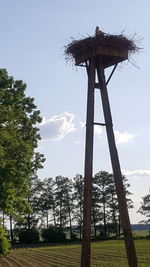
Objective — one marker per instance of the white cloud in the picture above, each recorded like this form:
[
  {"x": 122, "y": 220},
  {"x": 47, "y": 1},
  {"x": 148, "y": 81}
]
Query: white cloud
[
  {"x": 97, "y": 129},
  {"x": 119, "y": 137},
  {"x": 123, "y": 137},
  {"x": 136, "y": 173},
  {"x": 82, "y": 124},
  {"x": 56, "y": 127}
]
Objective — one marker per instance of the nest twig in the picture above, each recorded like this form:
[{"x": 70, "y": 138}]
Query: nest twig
[{"x": 121, "y": 42}]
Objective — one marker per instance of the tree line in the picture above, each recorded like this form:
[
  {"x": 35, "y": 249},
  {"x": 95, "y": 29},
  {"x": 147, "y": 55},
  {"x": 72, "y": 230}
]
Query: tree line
[{"x": 59, "y": 201}]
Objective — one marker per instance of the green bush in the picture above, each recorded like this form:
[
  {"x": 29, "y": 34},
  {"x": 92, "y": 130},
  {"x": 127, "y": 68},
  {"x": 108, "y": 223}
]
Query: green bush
[
  {"x": 53, "y": 235},
  {"x": 30, "y": 236},
  {"x": 74, "y": 237},
  {"x": 4, "y": 241}
]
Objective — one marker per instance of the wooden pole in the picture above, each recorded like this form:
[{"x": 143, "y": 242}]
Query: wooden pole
[
  {"x": 88, "y": 168},
  {"x": 125, "y": 221}
]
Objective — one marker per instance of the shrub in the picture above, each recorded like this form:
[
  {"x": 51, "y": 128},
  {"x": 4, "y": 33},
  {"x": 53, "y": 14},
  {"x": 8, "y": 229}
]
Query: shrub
[
  {"x": 30, "y": 236},
  {"x": 53, "y": 235},
  {"x": 74, "y": 237},
  {"x": 4, "y": 241}
]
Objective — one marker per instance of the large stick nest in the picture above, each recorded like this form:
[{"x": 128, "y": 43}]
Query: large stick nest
[{"x": 120, "y": 42}]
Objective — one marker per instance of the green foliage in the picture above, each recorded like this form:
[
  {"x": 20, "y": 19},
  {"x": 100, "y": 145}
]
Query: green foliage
[
  {"x": 145, "y": 210},
  {"x": 78, "y": 185},
  {"x": 64, "y": 201},
  {"x": 4, "y": 241},
  {"x": 53, "y": 235},
  {"x": 29, "y": 236},
  {"x": 105, "y": 207},
  {"x": 46, "y": 200},
  {"x": 30, "y": 219},
  {"x": 18, "y": 139},
  {"x": 59, "y": 201},
  {"x": 74, "y": 237}
]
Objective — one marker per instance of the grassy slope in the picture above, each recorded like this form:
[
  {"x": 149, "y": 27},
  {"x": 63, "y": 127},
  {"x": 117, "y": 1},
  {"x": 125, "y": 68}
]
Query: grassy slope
[{"x": 104, "y": 254}]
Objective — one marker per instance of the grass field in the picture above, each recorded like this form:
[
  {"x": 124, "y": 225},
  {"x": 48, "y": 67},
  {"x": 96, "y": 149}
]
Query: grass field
[
  {"x": 141, "y": 233},
  {"x": 104, "y": 254}
]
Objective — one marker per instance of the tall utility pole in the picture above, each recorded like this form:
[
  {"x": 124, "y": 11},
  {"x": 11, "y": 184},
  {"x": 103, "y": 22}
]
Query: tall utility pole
[
  {"x": 96, "y": 54},
  {"x": 86, "y": 235},
  {"x": 125, "y": 221}
]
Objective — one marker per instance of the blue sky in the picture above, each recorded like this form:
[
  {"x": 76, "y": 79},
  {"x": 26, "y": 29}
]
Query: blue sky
[{"x": 33, "y": 36}]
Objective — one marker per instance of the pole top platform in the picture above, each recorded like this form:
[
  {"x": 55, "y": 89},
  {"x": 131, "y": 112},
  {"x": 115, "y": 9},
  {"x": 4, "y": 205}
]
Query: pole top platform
[{"x": 112, "y": 49}]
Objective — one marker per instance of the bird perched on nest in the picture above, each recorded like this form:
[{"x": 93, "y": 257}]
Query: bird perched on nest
[{"x": 98, "y": 31}]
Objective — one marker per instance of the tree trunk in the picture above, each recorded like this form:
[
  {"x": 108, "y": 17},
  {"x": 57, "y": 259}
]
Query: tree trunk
[
  {"x": 3, "y": 219},
  {"x": 28, "y": 222},
  {"x": 119, "y": 225},
  {"x": 94, "y": 222},
  {"x": 28, "y": 217},
  {"x": 81, "y": 219},
  {"x": 54, "y": 216},
  {"x": 70, "y": 222},
  {"x": 104, "y": 219},
  {"x": 114, "y": 217},
  {"x": 47, "y": 219},
  {"x": 11, "y": 229},
  {"x": 60, "y": 215},
  {"x": 80, "y": 229},
  {"x": 70, "y": 219},
  {"x": 116, "y": 226}
]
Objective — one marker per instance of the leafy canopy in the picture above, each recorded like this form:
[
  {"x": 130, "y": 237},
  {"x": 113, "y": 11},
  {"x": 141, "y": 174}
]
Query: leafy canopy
[{"x": 18, "y": 139}]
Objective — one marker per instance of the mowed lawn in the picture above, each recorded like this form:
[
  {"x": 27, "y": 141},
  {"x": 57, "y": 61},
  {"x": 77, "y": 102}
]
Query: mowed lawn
[{"x": 105, "y": 253}]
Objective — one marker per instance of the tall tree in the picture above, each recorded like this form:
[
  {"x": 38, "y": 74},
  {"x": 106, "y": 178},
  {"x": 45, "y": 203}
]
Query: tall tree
[
  {"x": 64, "y": 201},
  {"x": 114, "y": 216},
  {"x": 59, "y": 198},
  {"x": 69, "y": 203},
  {"x": 46, "y": 202},
  {"x": 145, "y": 209},
  {"x": 113, "y": 204},
  {"x": 18, "y": 139},
  {"x": 105, "y": 203},
  {"x": 78, "y": 199},
  {"x": 32, "y": 218},
  {"x": 102, "y": 181},
  {"x": 97, "y": 213}
]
